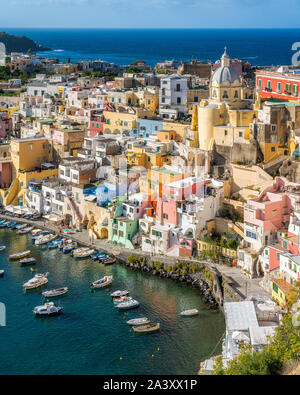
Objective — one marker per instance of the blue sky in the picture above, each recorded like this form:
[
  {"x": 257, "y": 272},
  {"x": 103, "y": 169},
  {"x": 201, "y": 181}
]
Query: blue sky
[{"x": 150, "y": 13}]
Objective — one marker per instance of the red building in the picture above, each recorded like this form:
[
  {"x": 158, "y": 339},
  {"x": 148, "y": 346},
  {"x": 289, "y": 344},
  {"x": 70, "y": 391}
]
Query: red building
[
  {"x": 96, "y": 123},
  {"x": 281, "y": 84},
  {"x": 5, "y": 125}
]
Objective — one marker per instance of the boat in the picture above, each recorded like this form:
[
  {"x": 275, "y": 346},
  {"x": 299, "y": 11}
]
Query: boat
[
  {"x": 68, "y": 231},
  {"x": 37, "y": 281},
  {"x": 109, "y": 261},
  {"x": 11, "y": 224},
  {"x": 2, "y": 248},
  {"x": 39, "y": 235},
  {"x": 28, "y": 261},
  {"x": 45, "y": 239},
  {"x": 130, "y": 304},
  {"x": 3, "y": 225},
  {"x": 103, "y": 282},
  {"x": 138, "y": 321},
  {"x": 54, "y": 243},
  {"x": 96, "y": 255},
  {"x": 20, "y": 226},
  {"x": 19, "y": 255},
  {"x": 117, "y": 301},
  {"x": 47, "y": 309},
  {"x": 24, "y": 231},
  {"x": 55, "y": 292},
  {"x": 2, "y": 273},
  {"x": 118, "y": 294},
  {"x": 82, "y": 253},
  {"x": 35, "y": 232},
  {"x": 151, "y": 327},
  {"x": 69, "y": 247},
  {"x": 189, "y": 313}
]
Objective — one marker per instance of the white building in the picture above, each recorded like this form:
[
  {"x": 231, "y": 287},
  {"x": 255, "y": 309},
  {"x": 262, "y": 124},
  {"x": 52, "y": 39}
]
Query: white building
[{"x": 173, "y": 96}]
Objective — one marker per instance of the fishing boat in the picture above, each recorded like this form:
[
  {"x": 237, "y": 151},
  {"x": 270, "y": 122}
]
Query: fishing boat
[
  {"x": 47, "y": 309},
  {"x": 52, "y": 293},
  {"x": 82, "y": 252},
  {"x": 11, "y": 224},
  {"x": 96, "y": 255},
  {"x": 189, "y": 313},
  {"x": 35, "y": 232},
  {"x": 2, "y": 248},
  {"x": 130, "y": 304},
  {"x": 19, "y": 255},
  {"x": 20, "y": 226},
  {"x": 118, "y": 294},
  {"x": 37, "y": 281},
  {"x": 2, "y": 273},
  {"x": 103, "y": 282},
  {"x": 69, "y": 247},
  {"x": 68, "y": 231},
  {"x": 54, "y": 243},
  {"x": 45, "y": 239},
  {"x": 24, "y": 230},
  {"x": 28, "y": 261},
  {"x": 123, "y": 299},
  {"x": 3, "y": 225},
  {"x": 138, "y": 321},
  {"x": 109, "y": 261},
  {"x": 39, "y": 235},
  {"x": 151, "y": 327}
]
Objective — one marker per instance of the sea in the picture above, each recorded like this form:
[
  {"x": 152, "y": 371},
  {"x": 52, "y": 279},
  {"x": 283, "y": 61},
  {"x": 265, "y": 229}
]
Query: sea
[
  {"x": 123, "y": 46},
  {"x": 91, "y": 336}
]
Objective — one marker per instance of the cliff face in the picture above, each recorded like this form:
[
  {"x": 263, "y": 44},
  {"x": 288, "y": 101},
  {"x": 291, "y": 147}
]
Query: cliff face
[{"x": 19, "y": 43}]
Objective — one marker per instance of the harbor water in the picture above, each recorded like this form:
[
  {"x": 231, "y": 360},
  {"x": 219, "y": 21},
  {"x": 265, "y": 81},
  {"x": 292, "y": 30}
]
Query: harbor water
[{"x": 91, "y": 336}]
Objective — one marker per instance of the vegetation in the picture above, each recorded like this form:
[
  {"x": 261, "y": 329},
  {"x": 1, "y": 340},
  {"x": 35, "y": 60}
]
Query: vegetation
[
  {"x": 19, "y": 43},
  {"x": 6, "y": 75},
  {"x": 283, "y": 350}
]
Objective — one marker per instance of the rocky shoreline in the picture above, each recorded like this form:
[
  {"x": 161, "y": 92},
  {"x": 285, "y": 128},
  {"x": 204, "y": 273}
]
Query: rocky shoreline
[{"x": 196, "y": 280}]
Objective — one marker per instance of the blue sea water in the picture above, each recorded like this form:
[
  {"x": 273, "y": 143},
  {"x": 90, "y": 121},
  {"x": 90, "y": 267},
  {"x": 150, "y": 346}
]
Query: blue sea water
[
  {"x": 122, "y": 46},
  {"x": 91, "y": 336}
]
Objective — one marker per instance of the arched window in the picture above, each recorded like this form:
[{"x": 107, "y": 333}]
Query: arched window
[
  {"x": 236, "y": 94},
  {"x": 225, "y": 95},
  {"x": 214, "y": 93}
]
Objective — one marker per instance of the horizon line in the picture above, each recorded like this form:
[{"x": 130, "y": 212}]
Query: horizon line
[{"x": 153, "y": 28}]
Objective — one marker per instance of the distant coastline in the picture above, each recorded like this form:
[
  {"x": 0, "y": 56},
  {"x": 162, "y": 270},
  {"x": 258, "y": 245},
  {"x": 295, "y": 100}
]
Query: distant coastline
[{"x": 15, "y": 43}]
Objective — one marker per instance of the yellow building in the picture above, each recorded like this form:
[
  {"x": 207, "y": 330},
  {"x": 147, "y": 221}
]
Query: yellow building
[
  {"x": 28, "y": 157},
  {"x": 280, "y": 289},
  {"x": 117, "y": 122}
]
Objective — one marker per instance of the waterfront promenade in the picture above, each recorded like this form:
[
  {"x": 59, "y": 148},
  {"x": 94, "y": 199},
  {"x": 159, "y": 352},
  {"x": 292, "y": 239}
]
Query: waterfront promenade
[{"x": 243, "y": 286}]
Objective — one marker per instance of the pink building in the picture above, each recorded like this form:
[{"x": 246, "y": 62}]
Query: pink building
[{"x": 266, "y": 214}]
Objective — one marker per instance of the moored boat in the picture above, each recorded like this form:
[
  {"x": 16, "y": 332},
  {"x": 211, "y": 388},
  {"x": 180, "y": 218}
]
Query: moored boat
[
  {"x": 47, "y": 309},
  {"x": 123, "y": 299},
  {"x": 54, "y": 243},
  {"x": 189, "y": 313},
  {"x": 130, "y": 304},
  {"x": 28, "y": 261},
  {"x": 45, "y": 239},
  {"x": 23, "y": 231},
  {"x": 69, "y": 247},
  {"x": 82, "y": 253},
  {"x": 109, "y": 261},
  {"x": 96, "y": 255},
  {"x": 151, "y": 327},
  {"x": 52, "y": 293},
  {"x": 103, "y": 282},
  {"x": 2, "y": 248},
  {"x": 19, "y": 255},
  {"x": 37, "y": 281},
  {"x": 138, "y": 321},
  {"x": 2, "y": 273},
  {"x": 118, "y": 294}
]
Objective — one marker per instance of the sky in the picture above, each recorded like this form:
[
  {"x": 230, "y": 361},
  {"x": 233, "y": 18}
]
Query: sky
[{"x": 150, "y": 13}]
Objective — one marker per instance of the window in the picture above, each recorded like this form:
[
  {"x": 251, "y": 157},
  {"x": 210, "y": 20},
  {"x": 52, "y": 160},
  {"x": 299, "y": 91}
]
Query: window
[
  {"x": 195, "y": 98},
  {"x": 240, "y": 134},
  {"x": 273, "y": 149},
  {"x": 277, "y": 256},
  {"x": 178, "y": 87},
  {"x": 266, "y": 252},
  {"x": 279, "y": 87},
  {"x": 259, "y": 83},
  {"x": 162, "y": 99},
  {"x": 273, "y": 128},
  {"x": 275, "y": 288},
  {"x": 288, "y": 88},
  {"x": 284, "y": 244},
  {"x": 119, "y": 100},
  {"x": 269, "y": 84},
  {"x": 251, "y": 234},
  {"x": 165, "y": 216},
  {"x": 225, "y": 132},
  {"x": 30, "y": 147},
  {"x": 295, "y": 90},
  {"x": 214, "y": 93},
  {"x": 236, "y": 94},
  {"x": 225, "y": 95},
  {"x": 178, "y": 100}
]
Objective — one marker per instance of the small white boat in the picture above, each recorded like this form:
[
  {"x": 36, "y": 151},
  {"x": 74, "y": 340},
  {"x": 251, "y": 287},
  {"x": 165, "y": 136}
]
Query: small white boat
[
  {"x": 28, "y": 261},
  {"x": 35, "y": 232},
  {"x": 130, "y": 304},
  {"x": 24, "y": 231},
  {"x": 2, "y": 248},
  {"x": 119, "y": 294},
  {"x": 138, "y": 321},
  {"x": 47, "y": 309},
  {"x": 103, "y": 282},
  {"x": 45, "y": 239},
  {"x": 122, "y": 299},
  {"x": 55, "y": 292},
  {"x": 2, "y": 273},
  {"x": 189, "y": 313},
  {"x": 19, "y": 255},
  {"x": 37, "y": 281},
  {"x": 82, "y": 252},
  {"x": 151, "y": 327}
]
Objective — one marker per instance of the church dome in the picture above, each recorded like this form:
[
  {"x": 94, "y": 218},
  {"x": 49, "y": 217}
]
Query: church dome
[{"x": 225, "y": 73}]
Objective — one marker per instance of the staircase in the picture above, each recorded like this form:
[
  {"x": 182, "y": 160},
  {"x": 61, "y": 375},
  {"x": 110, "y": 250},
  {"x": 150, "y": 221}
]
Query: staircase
[
  {"x": 11, "y": 196},
  {"x": 74, "y": 208}
]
